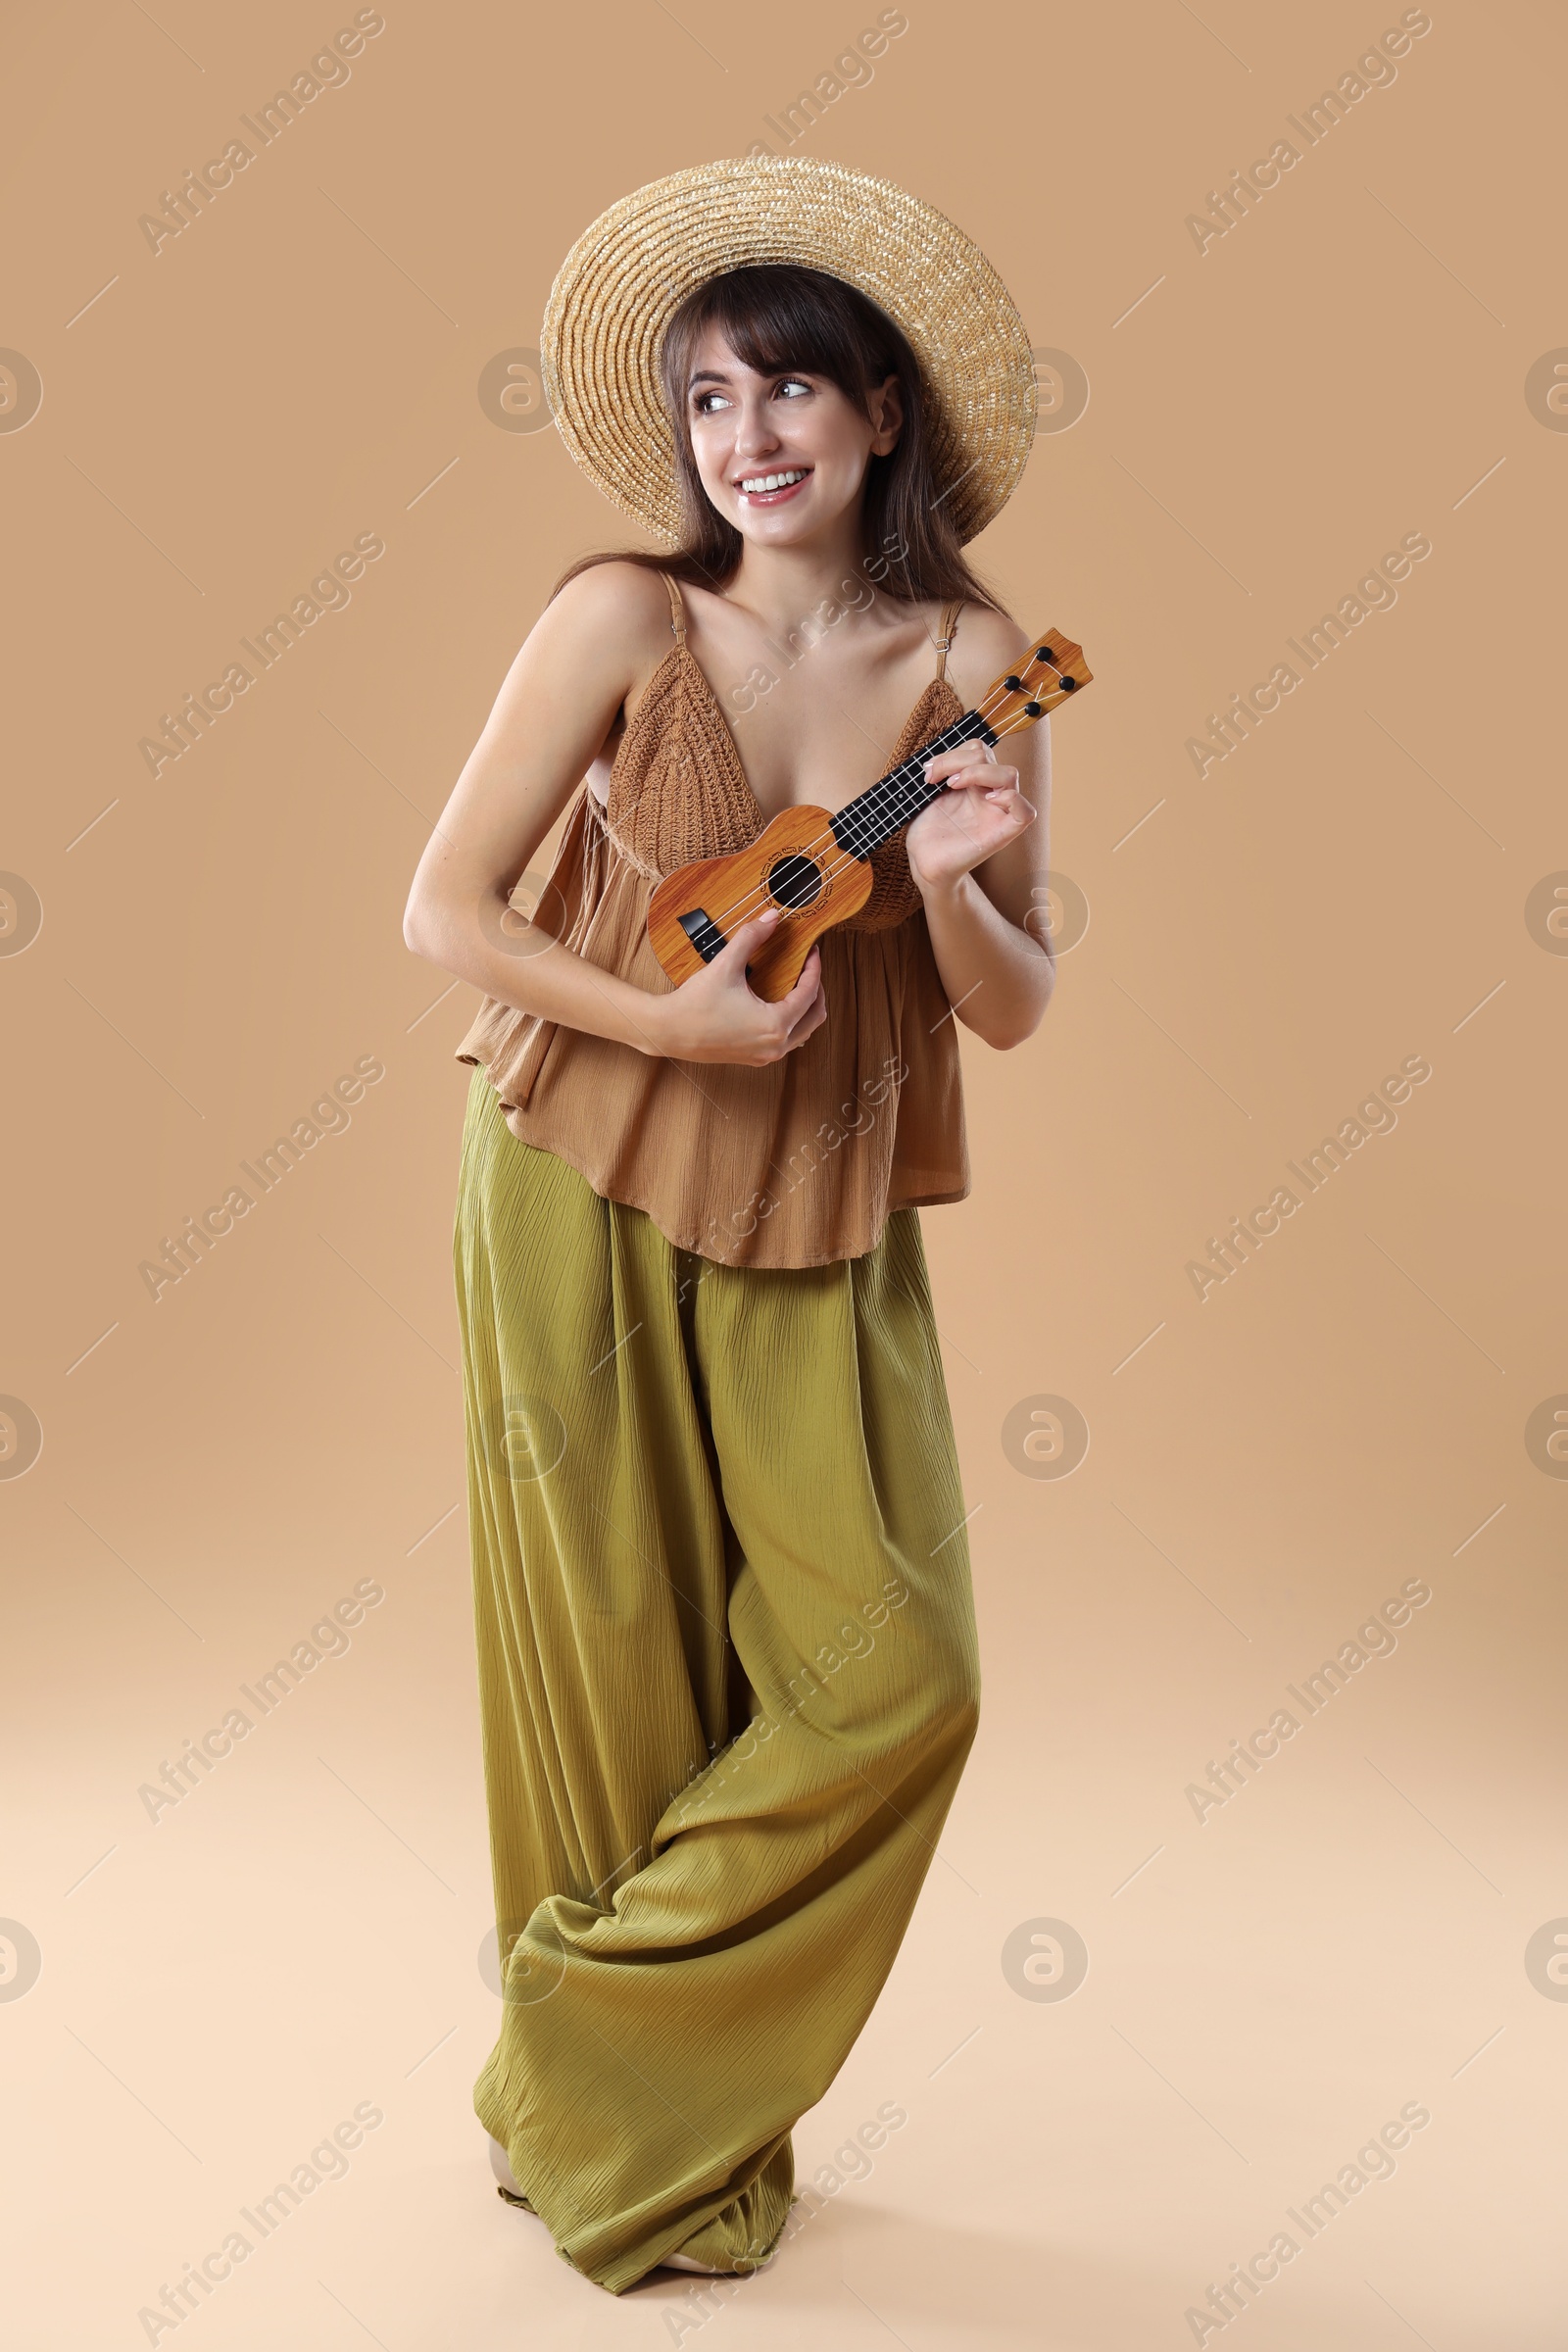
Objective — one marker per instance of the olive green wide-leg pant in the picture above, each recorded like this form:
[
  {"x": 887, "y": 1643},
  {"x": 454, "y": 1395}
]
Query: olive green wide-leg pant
[{"x": 728, "y": 1681}]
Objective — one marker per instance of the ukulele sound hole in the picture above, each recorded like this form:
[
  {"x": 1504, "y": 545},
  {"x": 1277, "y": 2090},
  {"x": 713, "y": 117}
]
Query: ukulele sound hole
[{"x": 794, "y": 882}]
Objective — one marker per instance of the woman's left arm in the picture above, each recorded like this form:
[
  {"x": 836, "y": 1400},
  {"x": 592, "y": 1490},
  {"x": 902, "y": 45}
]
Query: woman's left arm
[{"x": 980, "y": 857}]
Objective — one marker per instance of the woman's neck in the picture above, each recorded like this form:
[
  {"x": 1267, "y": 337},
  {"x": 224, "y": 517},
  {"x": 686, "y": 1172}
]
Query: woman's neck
[{"x": 779, "y": 585}]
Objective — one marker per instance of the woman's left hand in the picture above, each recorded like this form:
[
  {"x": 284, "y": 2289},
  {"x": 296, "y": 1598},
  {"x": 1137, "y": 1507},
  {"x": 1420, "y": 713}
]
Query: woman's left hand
[{"x": 980, "y": 812}]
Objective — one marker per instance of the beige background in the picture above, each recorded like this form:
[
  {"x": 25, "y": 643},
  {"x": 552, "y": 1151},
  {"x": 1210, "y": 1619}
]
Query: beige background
[{"x": 299, "y": 1935}]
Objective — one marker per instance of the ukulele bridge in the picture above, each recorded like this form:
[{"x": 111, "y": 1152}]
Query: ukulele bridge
[{"x": 704, "y": 933}]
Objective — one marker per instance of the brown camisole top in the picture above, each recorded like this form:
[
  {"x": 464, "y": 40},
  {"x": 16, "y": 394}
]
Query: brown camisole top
[{"x": 794, "y": 1164}]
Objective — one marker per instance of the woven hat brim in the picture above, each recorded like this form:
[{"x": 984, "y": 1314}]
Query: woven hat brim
[{"x": 622, "y": 281}]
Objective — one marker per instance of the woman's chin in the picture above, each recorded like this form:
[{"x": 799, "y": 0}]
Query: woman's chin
[
  {"x": 799, "y": 524},
  {"x": 775, "y": 529}
]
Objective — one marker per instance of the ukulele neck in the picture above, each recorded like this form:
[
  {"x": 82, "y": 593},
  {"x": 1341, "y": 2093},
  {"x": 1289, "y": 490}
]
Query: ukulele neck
[{"x": 899, "y": 797}]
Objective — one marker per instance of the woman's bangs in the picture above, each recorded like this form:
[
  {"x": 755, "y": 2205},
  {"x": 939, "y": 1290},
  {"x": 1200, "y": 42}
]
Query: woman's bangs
[{"x": 775, "y": 320}]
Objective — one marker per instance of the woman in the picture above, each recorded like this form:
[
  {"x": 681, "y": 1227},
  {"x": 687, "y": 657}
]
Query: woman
[{"x": 725, "y": 1633}]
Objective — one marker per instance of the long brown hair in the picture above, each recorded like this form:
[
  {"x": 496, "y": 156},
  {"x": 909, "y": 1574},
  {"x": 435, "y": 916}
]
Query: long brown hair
[{"x": 777, "y": 316}]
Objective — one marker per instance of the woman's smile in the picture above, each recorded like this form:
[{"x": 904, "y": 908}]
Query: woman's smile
[{"x": 771, "y": 489}]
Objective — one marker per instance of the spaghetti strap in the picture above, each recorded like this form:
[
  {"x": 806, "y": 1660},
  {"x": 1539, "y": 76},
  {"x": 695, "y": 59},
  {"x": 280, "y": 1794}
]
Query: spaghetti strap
[
  {"x": 950, "y": 623},
  {"x": 677, "y": 610}
]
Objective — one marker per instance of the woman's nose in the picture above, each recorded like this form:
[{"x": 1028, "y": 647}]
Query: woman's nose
[{"x": 756, "y": 432}]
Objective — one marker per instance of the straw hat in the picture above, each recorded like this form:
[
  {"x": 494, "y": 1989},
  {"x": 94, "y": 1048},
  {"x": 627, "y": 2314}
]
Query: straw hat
[{"x": 619, "y": 287}]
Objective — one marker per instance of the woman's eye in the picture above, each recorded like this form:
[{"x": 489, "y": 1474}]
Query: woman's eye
[{"x": 707, "y": 404}]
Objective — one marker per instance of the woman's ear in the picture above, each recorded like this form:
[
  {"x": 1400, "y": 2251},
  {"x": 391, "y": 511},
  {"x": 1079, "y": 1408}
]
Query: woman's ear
[{"x": 885, "y": 405}]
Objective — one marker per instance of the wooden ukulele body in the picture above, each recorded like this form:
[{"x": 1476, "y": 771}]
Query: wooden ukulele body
[{"x": 795, "y": 864}]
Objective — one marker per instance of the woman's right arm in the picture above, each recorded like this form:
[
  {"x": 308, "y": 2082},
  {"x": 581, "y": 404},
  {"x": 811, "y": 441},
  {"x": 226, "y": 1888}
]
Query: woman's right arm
[{"x": 591, "y": 647}]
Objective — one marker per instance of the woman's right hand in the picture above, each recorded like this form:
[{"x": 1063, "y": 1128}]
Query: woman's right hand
[{"x": 714, "y": 1016}]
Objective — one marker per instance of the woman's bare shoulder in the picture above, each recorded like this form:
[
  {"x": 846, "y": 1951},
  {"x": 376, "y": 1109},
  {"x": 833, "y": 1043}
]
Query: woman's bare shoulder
[
  {"x": 611, "y": 611},
  {"x": 984, "y": 643},
  {"x": 632, "y": 593}
]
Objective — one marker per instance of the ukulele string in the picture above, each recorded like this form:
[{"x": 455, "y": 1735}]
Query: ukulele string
[
  {"x": 760, "y": 896},
  {"x": 993, "y": 702},
  {"x": 995, "y": 698},
  {"x": 850, "y": 858}
]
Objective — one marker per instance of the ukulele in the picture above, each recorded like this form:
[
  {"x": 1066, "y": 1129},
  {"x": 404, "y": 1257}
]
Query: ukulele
[{"x": 815, "y": 867}]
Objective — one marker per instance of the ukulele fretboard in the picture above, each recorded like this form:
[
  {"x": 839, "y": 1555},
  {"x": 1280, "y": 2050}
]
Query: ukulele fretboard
[{"x": 884, "y": 807}]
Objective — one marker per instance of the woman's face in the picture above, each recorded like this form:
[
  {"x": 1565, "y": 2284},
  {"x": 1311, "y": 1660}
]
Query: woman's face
[{"x": 797, "y": 433}]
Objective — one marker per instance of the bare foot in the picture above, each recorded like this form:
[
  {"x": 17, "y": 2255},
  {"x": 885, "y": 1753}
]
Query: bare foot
[{"x": 501, "y": 2166}]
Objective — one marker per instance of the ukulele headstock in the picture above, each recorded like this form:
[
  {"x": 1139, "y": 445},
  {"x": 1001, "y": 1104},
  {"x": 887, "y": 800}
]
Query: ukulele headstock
[{"x": 1050, "y": 673}]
